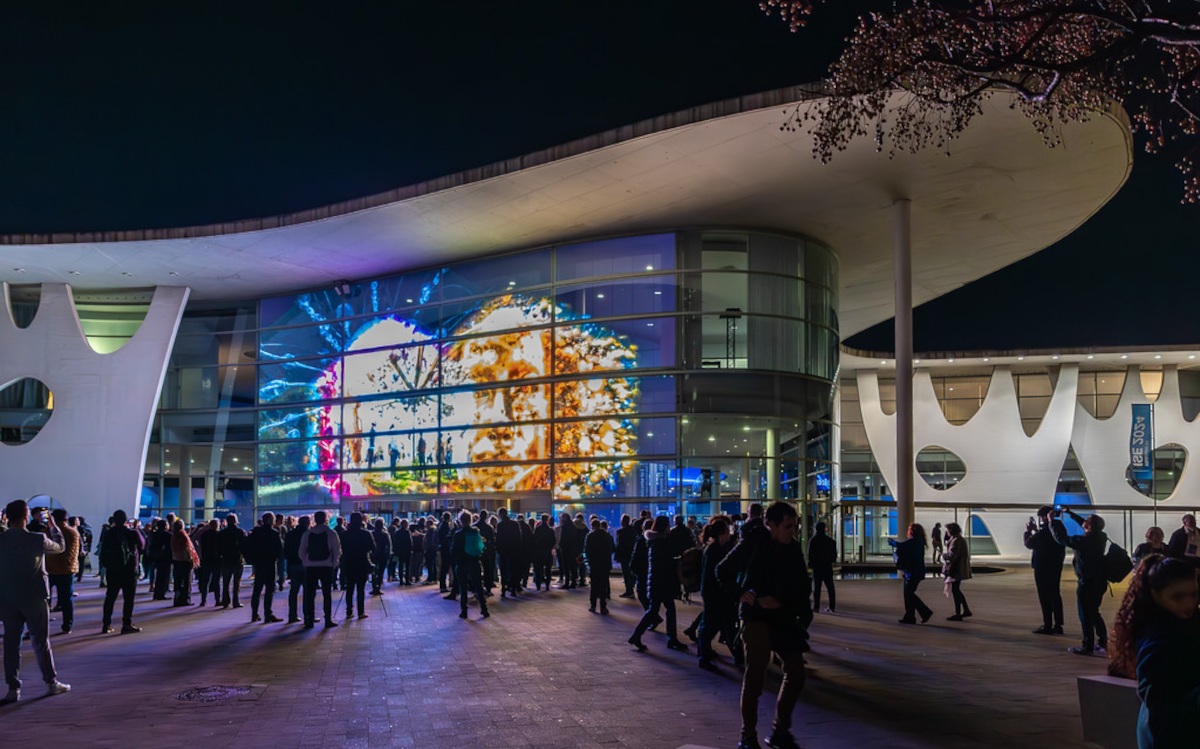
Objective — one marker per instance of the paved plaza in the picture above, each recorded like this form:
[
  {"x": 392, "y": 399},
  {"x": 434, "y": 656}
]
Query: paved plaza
[{"x": 543, "y": 672}]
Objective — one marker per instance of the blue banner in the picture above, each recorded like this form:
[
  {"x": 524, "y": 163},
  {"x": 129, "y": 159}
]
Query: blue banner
[{"x": 1141, "y": 443}]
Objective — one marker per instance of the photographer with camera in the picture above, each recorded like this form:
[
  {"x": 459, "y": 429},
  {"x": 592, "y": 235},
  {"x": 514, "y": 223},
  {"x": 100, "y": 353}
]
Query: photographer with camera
[
  {"x": 1047, "y": 562},
  {"x": 1089, "y": 571}
]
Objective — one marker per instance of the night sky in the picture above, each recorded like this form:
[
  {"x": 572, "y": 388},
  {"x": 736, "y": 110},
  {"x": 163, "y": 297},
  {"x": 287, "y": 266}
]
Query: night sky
[{"x": 126, "y": 118}]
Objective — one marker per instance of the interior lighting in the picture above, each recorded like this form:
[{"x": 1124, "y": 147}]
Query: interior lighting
[
  {"x": 408, "y": 301},
  {"x": 952, "y": 390},
  {"x": 1020, "y": 358},
  {"x": 950, "y": 360},
  {"x": 658, "y": 293},
  {"x": 712, "y": 438},
  {"x": 1054, "y": 357},
  {"x": 235, "y": 460},
  {"x": 599, "y": 296},
  {"x": 649, "y": 325},
  {"x": 649, "y": 434},
  {"x": 746, "y": 429},
  {"x": 1158, "y": 356},
  {"x": 1124, "y": 356},
  {"x": 883, "y": 362},
  {"x": 512, "y": 283},
  {"x": 986, "y": 359},
  {"x": 1191, "y": 356},
  {"x": 649, "y": 267}
]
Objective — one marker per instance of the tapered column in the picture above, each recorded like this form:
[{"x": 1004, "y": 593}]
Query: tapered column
[{"x": 902, "y": 261}]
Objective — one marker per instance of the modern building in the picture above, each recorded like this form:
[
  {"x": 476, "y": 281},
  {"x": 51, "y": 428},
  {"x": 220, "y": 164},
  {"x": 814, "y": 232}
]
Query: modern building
[{"x": 651, "y": 316}]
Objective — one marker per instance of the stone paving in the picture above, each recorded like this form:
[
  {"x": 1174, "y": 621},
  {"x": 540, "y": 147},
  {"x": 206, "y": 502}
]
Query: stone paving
[{"x": 542, "y": 672}]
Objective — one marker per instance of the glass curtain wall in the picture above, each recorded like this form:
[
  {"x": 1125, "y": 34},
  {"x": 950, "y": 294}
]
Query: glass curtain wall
[{"x": 684, "y": 369}]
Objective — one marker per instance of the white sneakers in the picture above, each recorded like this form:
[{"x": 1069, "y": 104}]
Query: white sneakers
[{"x": 57, "y": 687}]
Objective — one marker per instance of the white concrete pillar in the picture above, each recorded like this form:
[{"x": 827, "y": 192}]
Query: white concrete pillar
[
  {"x": 772, "y": 464},
  {"x": 902, "y": 259}
]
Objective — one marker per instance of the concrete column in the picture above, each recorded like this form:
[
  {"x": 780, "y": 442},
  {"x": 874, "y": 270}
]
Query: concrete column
[
  {"x": 902, "y": 259},
  {"x": 772, "y": 464},
  {"x": 210, "y": 497},
  {"x": 184, "y": 505},
  {"x": 745, "y": 490}
]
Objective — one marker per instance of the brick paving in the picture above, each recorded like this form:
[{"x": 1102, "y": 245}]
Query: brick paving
[{"x": 544, "y": 673}]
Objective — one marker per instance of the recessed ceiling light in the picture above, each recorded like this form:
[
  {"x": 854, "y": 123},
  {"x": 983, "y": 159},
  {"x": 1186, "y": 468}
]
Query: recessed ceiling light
[
  {"x": 658, "y": 293},
  {"x": 1020, "y": 358},
  {"x": 649, "y": 325},
  {"x": 1124, "y": 356},
  {"x": 512, "y": 283},
  {"x": 952, "y": 390},
  {"x": 1191, "y": 356},
  {"x": 883, "y": 362},
  {"x": 1158, "y": 356},
  {"x": 986, "y": 359},
  {"x": 649, "y": 267},
  {"x": 916, "y": 361},
  {"x": 408, "y": 301},
  {"x": 649, "y": 434},
  {"x": 712, "y": 438},
  {"x": 599, "y": 296},
  {"x": 1091, "y": 357}
]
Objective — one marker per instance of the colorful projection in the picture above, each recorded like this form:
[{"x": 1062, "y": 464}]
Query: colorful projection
[{"x": 513, "y": 394}]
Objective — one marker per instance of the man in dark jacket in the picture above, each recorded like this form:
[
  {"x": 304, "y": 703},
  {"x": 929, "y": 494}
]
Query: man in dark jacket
[
  {"x": 120, "y": 550},
  {"x": 295, "y": 566},
  {"x": 489, "y": 550},
  {"x": 443, "y": 550},
  {"x": 402, "y": 549},
  {"x": 822, "y": 553},
  {"x": 1046, "y": 559},
  {"x": 508, "y": 548},
  {"x": 466, "y": 549},
  {"x": 626, "y": 537},
  {"x": 1089, "y": 551},
  {"x": 357, "y": 548},
  {"x": 1185, "y": 541},
  {"x": 543, "y": 553},
  {"x": 380, "y": 557},
  {"x": 263, "y": 551},
  {"x": 771, "y": 580},
  {"x": 209, "y": 577},
  {"x": 524, "y": 552},
  {"x": 598, "y": 547},
  {"x": 231, "y": 546}
]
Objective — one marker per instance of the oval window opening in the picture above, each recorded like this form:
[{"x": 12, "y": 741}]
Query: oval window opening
[
  {"x": 939, "y": 467},
  {"x": 25, "y": 407},
  {"x": 1160, "y": 475}
]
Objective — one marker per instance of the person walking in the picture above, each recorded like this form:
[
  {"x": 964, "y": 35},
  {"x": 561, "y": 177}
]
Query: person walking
[
  {"x": 1089, "y": 550},
  {"x": 956, "y": 567},
  {"x": 62, "y": 568},
  {"x": 24, "y": 592},
  {"x": 720, "y": 609},
  {"x": 320, "y": 552},
  {"x": 1046, "y": 558},
  {"x": 120, "y": 551},
  {"x": 263, "y": 550},
  {"x": 822, "y": 554},
  {"x": 910, "y": 560},
  {"x": 770, "y": 578},
  {"x": 662, "y": 585}
]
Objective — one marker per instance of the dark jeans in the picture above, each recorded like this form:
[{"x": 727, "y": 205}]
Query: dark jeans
[
  {"x": 629, "y": 579},
  {"x": 231, "y": 577},
  {"x": 569, "y": 569},
  {"x": 601, "y": 586},
  {"x": 377, "y": 577},
  {"x": 415, "y": 565},
  {"x": 443, "y": 568},
  {"x": 543, "y": 569},
  {"x": 181, "y": 573},
  {"x": 1088, "y": 596},
  {"x": 718, "y": 617},
  {"x": 509, "y": 575},
  {"x": 651, "y": 616},
  {"x": 162, "y": 579},
  {"x": 470, "y": 580},
  {"x": 401, "y": 571},
  {"x": 123, "y": 582},
  {"x": 756, "y": 637},
  {"x": 64, "y": 586},
  {"x": 264, "y": 581},
  {"x": 912, "y": 602},
  {"x": 823, "y": 575},
  {"x": 355, "y": 581},
  {"x": 34, "y": 615},
  {"x": 313, "y": 577},
  {"x": 297, "y": 578},
  {"x": 210, "y": 581},
  {"x": 960, "y": 601},
  {"x": 1049, "y": 592}
]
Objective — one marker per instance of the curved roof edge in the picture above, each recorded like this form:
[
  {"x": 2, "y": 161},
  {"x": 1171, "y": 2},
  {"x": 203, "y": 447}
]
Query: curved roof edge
[{"x": 660, "y": 123}]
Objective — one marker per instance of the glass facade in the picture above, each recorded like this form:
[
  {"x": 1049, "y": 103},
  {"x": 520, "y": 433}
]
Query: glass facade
[{"x": 682, "y": 367}]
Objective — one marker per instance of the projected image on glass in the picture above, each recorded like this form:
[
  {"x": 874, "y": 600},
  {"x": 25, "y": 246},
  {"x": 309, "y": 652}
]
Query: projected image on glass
[{"x": 403, "y": 410}]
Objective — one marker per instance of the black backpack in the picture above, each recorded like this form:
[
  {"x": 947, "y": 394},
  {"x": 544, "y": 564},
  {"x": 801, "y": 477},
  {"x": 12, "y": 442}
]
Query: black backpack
[
  {"x": 1117, "y": 564},
  {"x": 690, "y": 563},
  {"x": 116, "y": 552},
  {"x": 318, "y": 546}
]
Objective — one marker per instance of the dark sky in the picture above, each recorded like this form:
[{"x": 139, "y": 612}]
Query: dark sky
[{"x": 119, "y": 117}]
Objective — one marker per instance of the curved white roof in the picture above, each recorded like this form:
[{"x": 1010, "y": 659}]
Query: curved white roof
[{"x": 998, "y": 196}]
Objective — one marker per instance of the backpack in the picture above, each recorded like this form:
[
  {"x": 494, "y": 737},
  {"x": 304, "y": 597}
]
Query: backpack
[
  {"x": 116, "y": 552},
  {"x": 473, "y": 543},
  {"x": 1117, "y": 564},
  {"x": 690, "y": 563},
  {"x": 318, "y": 546}
]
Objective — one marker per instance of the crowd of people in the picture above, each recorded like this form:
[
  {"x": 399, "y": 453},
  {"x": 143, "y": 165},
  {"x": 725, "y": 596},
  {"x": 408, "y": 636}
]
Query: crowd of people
[{"x": 758, "y": 597}]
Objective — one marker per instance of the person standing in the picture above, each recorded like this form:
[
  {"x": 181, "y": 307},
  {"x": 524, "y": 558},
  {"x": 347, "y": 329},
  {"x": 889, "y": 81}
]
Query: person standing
[
  {"x": 568, "y": 550},
  {"x": 120, "y": 553},
  {"x": 1046, "y": 558},
  {"x": 771, "y": 581},
  {"x": 441, "y": 554},
  {"x": 295, "y": 567},
  {"x": 910, "y": 560},
  {"x": 956, "y": 567},
  {"x": 508, "y": 548},
  {"x": 183, "y": 560},
  {"x": 543, "y": 553},
  {"x": 210, "y": 563},
  {"x": 85, "y": 546},
  {"x": 231, "y": 546},
  {"x": 598, "y": 547},
  {"x": 402, "y": 552},
  {"x": 466, "y": 550},
  {"x": 488, "y": 559},
  {"x": 935, "y": 542},
  {"x": 1089, "y": 572},
  {"x": 524, "y": 552},
  {"x": 357, "y": 547},
  {"x": 62, "y": 568},
  {"x": 263, "y": 550},
  {"x": 626, "y": 538},
  {"x": 822, "y": 554},
  {"x": 381, "y": 556},
  {"x": 320, "y": 552},
  {"x": 159, "y": 555},
  {"x": 23, "y": 597}
]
